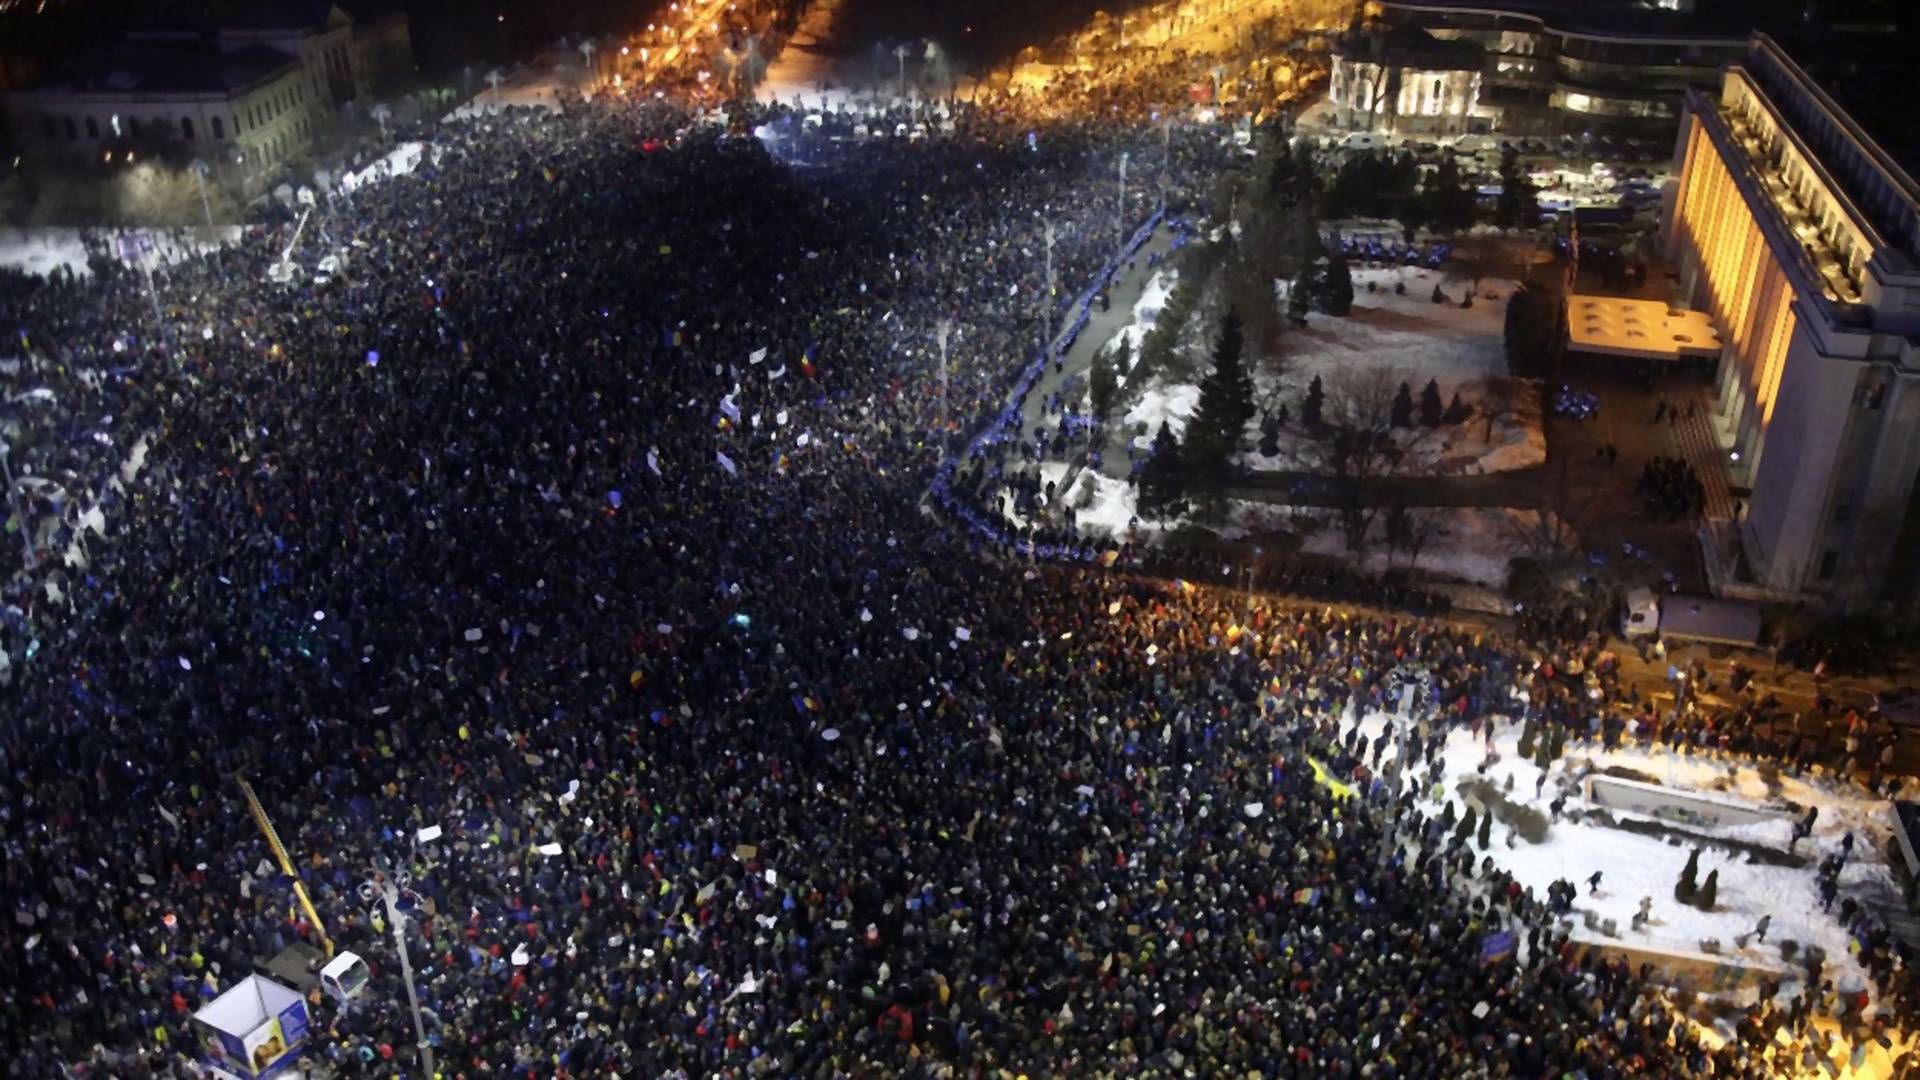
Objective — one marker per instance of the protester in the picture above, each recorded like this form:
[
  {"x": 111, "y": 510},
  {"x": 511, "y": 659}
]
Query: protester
[{"x": 583, "y": 510}]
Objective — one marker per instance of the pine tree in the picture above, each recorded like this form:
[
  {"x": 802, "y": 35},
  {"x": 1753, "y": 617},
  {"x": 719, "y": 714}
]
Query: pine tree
[
  {"x": 1709, "y": 892},
  {"x": 1467, "y": 825},
  {"x": 1300, "y": 295},
  {"x": 1103, "y": 385},
  {"x": 1519, "y": 202},
  {"x": 1448, "y": 818},
  {"x": 1226, "y": 404},
  {"x": 1684, "y": 889},
  {"x": 1403, "y": 407},
  {"x": 1123, "y": 357},
  {"x": 1163, "y": 480},
  {"x": 1527, "y": 736},
  {"x": 1486, "y": 831},
  {"x": 1316, "y": 399},
  {"x": 1336, "y": 286},
  {"x": 1457, "y": 412},
  {"x": 1430, "y": 407}
]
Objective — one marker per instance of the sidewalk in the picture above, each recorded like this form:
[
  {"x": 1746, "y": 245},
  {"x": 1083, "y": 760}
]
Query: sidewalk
[{"x": 1071, "y": 374}]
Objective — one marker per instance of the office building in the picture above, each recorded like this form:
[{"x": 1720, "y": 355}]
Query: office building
[{"x": 1800, "y": 235}]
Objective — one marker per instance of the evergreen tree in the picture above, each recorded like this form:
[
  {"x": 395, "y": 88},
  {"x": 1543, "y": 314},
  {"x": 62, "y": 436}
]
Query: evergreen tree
[
  {"x": 1336, "y": 286},
  {"x": 1123, "y": 357},
  {"x": 1486, "y": 831},
  {"x": 1709, "y": 892},
  {"x": 1457, "y": 411},
  {"x": 1519, "y": 203},
  {"x": 1163, "y": 480},
  {"x": 1446, "y": 203},
  {"x": 1301, "y": 295},
  {"x": 1467, "y": 825},
  {"x": 1430, "y": 407},
  {"x": 1451, "y": 815},
  {"x": 1316, "y": 399},
  {"x": 1684, "y": 889},
  {"x": 1403, "y": 407},
  {"x": 1103, "y": 385},
  {"x": 1226, "y": 404},
  {"x": 1527, "y": 736}
]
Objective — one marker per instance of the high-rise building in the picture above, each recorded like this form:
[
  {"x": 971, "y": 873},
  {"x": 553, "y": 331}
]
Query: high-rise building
[{"x": 1800, "y": 235}]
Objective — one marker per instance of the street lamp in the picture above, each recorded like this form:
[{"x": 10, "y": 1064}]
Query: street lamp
[
  {"x": 381, "y": 888},
  {"x": 200, "y": 168},
  {"x": 900, "y": 53},
  {"x": 13, "y": 501},
  {"x": 381, "y": 114},
  {"x": 941, "y": 332},
  {"x": 587, "y": 49},
  {"x": 1120, "y": 213}
]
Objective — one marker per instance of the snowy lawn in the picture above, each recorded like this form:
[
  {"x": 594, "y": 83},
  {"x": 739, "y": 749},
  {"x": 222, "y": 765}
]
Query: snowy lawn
[
  {"x": 1463, "y": 543},
  {"x": 1402, "y": 338}
]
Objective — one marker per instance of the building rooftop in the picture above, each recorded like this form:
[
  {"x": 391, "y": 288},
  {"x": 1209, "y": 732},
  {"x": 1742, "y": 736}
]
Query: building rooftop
[
  {"x": 1711, "y": 20},
  {"x": 1409, "y": 44},
  {"x": 1646, "y": 329},
  {"x": 146, "y": 67}
]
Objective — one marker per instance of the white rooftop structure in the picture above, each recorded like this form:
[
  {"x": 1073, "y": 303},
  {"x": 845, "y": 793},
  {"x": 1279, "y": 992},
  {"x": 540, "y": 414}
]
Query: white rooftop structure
[{"x": 1644, "y": 329}]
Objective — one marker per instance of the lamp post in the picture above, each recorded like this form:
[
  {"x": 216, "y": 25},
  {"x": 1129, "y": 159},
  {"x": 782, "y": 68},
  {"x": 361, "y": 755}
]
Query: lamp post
[
  {"x": 200, "y": 168},
  {"x": 381, "y": 114},
  {"x": 941, "y": 333},
  {"x": 381, "y": 888},
  {"x": 587, "y": 49},
  {"x": 1046, "y": 300},
  {"x": 1120, "y": 214},
  {"x": 13, "y": 501},
  {"x": 900, "y": 53}
]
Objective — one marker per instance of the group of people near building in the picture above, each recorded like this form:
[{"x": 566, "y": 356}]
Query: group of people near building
[{"x": 580, "y": 515}]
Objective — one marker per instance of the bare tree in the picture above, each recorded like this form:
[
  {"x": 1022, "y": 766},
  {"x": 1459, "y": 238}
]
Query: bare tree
[
  {"x": 1501, "y": 399},
  {"x": 1569, "y": 508},
  {"x": 1362, "y": 448}
]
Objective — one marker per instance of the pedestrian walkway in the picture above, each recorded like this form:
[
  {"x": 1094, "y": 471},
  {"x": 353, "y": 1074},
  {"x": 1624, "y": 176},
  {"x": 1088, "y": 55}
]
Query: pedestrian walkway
[{"x": 1692, "y": 438}]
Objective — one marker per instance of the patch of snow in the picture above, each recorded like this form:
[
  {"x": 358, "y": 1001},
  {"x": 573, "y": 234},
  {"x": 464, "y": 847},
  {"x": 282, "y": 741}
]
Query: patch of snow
[
  {"x": 1470, "y": 544},
  {"x": 1172, "y": 405},
  {"x": 1635, "y": 866}
]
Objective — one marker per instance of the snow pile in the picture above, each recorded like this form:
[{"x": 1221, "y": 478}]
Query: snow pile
[
  {"x": 1145, "y": 310},
  {"x": 1105, "y": 504},
  {"x": 1160, "y": 403}
]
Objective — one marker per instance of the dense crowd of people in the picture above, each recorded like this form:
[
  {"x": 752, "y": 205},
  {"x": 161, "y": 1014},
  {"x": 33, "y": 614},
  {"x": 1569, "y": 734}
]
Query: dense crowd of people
[
  {"x": 1671, "y": 488},
  {"x": 583, "y": 511}
]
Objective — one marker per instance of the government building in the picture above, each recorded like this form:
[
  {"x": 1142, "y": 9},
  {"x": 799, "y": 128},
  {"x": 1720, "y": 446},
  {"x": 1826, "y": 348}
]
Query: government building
[{"x": 1799, "y": 235}]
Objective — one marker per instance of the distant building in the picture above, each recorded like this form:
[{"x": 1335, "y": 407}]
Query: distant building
[
  {"x": 1800, "y": 235},
  {"x": 1569, "y": 68},
  {"x": 1403, "y": 79},
  {"x": 247, "y": 96}
]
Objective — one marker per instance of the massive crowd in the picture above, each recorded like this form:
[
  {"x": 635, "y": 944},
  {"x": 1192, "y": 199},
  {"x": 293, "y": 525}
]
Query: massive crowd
[{"x": 513, "y": 528}]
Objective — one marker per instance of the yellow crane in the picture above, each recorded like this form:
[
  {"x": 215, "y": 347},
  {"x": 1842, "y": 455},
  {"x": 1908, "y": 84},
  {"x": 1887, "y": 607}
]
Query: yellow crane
[{"x": 286, "y": 863}]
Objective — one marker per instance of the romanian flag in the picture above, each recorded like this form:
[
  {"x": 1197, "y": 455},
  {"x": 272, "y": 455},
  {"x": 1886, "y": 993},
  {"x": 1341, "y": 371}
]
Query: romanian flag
[
  {"x": 1185, "y": 587},
  {"x": 1308, "y": 897},
  {"x": 1496, "y": 947},
  {"x": 1109, "y": 558}
]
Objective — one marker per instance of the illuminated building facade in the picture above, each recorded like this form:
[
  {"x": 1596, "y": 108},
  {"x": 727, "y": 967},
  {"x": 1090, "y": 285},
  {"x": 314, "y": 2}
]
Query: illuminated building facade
[
  {"x": 1573, "y": 69},
  {"x": 1799, "y": 235},
  {"x": 1407, "y": 81}
]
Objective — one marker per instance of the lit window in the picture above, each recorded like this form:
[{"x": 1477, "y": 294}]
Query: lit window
[{"x": 1579, "y": 103}]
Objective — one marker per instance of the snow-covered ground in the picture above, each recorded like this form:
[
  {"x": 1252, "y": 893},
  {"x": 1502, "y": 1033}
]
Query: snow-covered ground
[
  {"x": 1401, "y": 337},
  {"x": 400, "y": 161},
  {"x": 1635, "y": 865},
  {"x": 1471, "y": 544},
  {"x": 42, "y": 251}
]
